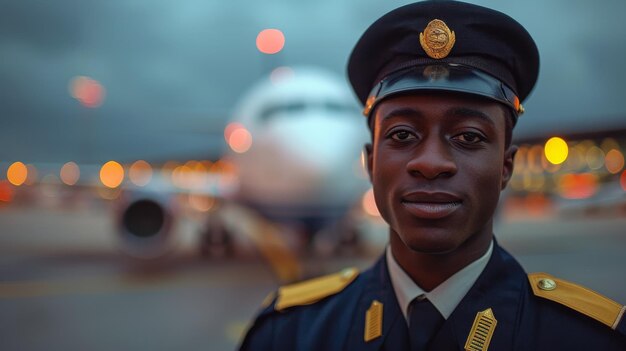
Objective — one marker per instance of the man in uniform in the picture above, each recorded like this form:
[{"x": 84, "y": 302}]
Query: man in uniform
[{"x": 442, "y": 84}]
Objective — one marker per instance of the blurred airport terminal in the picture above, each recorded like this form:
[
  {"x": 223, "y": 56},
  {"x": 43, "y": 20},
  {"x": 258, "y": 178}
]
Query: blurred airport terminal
[{"x": 163, "y": 168}]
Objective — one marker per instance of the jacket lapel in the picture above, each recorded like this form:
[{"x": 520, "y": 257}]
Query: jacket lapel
[
  {"x": 394, "y": 331},
  {"x": 499, "y": 287}
]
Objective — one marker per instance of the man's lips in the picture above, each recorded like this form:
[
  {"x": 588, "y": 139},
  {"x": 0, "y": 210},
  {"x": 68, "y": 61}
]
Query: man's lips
[{"x": 430, "y": 205}]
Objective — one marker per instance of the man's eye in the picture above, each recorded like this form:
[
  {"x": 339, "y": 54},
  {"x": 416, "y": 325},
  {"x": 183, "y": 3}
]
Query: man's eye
[
  {"x": 470, "y": 138},
  {"x": 402, "y": 135}
]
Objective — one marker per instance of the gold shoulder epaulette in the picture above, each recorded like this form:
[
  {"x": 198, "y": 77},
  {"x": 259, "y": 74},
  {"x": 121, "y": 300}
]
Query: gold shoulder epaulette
[
  {"x": 578, "y": 298},
  {"x": 310, "y": 291}
]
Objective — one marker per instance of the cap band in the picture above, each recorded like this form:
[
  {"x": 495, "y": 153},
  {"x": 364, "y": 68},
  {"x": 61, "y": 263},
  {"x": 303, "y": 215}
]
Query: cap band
[{"x": 443, "y": 77}]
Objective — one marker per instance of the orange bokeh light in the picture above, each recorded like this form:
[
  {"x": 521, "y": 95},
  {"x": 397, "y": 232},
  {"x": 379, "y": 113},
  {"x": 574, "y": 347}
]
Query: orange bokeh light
[
  {"x": 111, "y": 174},
  {"x": 89, "y": 92},
  {"x": 270, "y": 41},
  {"x": 240, "y": 140},
  {"x": 614, "y": 161},
  {"x": 140, "y": 173},
  {"x": 201, "y": 203},
  {"x": 70, "y": 173},
  {"x": 17, "y": 173},
  {"x": 622, "y": 180}
]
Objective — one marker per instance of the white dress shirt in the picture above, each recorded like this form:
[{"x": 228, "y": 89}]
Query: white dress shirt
[{"x": 446, "y": 296}]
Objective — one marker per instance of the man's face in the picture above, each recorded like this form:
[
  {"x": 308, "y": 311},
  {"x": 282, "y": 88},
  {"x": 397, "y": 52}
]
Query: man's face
[{"x": 437, "y": 164}]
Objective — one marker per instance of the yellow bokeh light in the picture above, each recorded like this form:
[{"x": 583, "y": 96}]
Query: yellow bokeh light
[
  {"x": 70, "y": 173},
  {"x": 17, "y": 173},
  {"x": 614, "y": 161},
  {"x": 556, "y": 150},
  {"x": 140, "y": 173},
  {"x": 112, "y": 174}
]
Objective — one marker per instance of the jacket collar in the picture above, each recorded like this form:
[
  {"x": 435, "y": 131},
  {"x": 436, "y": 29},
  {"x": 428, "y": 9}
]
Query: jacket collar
[{"x": 499, "y": 287}]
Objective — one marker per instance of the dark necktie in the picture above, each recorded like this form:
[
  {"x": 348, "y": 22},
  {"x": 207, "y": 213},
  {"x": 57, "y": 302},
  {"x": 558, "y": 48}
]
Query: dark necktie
[{"x": 424, "y": 322}]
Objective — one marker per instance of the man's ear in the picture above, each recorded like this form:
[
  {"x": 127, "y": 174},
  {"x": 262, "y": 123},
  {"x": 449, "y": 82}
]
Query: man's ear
[
  {"x": 369, "y": 159},
  {"x": 509, "y": 161}
]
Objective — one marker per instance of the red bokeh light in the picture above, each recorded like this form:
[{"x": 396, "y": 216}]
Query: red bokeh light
[
  {"x": 6, "y": 191},
  {"x": 270, "y": 41},
  {"x": 89, "y": 92}
]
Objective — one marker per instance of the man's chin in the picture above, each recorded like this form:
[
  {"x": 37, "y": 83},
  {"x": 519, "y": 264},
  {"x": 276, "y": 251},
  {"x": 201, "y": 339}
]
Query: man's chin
[{"x": 432, "y": 245}]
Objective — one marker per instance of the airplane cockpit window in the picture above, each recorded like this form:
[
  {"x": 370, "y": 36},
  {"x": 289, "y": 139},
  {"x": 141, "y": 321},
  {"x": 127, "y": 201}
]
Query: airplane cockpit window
[{"x": 301, "y": 107}]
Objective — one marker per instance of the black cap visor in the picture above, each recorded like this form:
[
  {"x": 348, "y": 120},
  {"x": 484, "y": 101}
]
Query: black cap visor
[{"x": 443, "y": 77}]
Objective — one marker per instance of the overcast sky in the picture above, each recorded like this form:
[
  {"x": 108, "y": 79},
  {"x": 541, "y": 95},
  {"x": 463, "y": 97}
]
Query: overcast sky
[{"x": 173, "y": 70}]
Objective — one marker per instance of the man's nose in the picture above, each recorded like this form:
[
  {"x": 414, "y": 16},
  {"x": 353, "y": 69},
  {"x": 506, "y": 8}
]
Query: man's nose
[{"x": 432, "y": 159}]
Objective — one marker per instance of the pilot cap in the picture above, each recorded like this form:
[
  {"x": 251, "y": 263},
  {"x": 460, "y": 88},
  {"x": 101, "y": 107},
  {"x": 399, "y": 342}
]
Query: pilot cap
[{"x": 444, "y": 46}]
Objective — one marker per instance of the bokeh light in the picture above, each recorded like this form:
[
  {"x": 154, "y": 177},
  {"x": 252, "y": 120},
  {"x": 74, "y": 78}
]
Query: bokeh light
[
  {"x": 109, "y": 193},
  {"x": 181, "y": 176},
  {"x": 614, "y": 161},
  {"x": 281, "y": 74},
  {"x": 594, "y": 157},
  {"x": 369, "y": 204},
  {"x": 238, "y": 137},
  {"x": 578, "y": 186},
  {"x": 70, "y": 173},
  {"x": 270, "y": 41},
  {"x": 201, "y": 203},
  {"x": 534, "y": 157},
  {"x": 31, "y": 174},
  {"x": 230, "y": 128},
  {"x": 17, "y": 173},
  {"x": 6, "y": 191},
  {"x": 556, "y": 150},
  {"x": 112, "y": 174},
  {"x": 89, "y": 92},
  {"x": 608, "y": 144},
  {"x": 622, "y": 180},
  {"x": 168, "y": 168},
  {"x": 140, "y": 173}
]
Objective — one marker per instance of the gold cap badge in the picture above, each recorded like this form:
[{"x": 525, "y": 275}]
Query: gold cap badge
[{"x": 437, "y": 39}]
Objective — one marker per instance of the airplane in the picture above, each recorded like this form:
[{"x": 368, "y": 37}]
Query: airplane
[{"x": 294, "y": 165}]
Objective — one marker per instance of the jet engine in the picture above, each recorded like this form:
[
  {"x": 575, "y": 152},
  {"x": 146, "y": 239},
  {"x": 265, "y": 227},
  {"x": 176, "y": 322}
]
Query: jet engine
[{"x": 145, "y": 223}]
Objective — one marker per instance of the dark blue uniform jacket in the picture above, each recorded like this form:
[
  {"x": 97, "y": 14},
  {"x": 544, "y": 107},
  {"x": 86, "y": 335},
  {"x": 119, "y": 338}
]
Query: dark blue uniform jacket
[{"x": 524, "y": 321}]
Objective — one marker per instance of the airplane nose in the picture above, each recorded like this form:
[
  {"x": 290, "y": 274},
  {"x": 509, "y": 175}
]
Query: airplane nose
[{"x": 325, "y": 143}]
